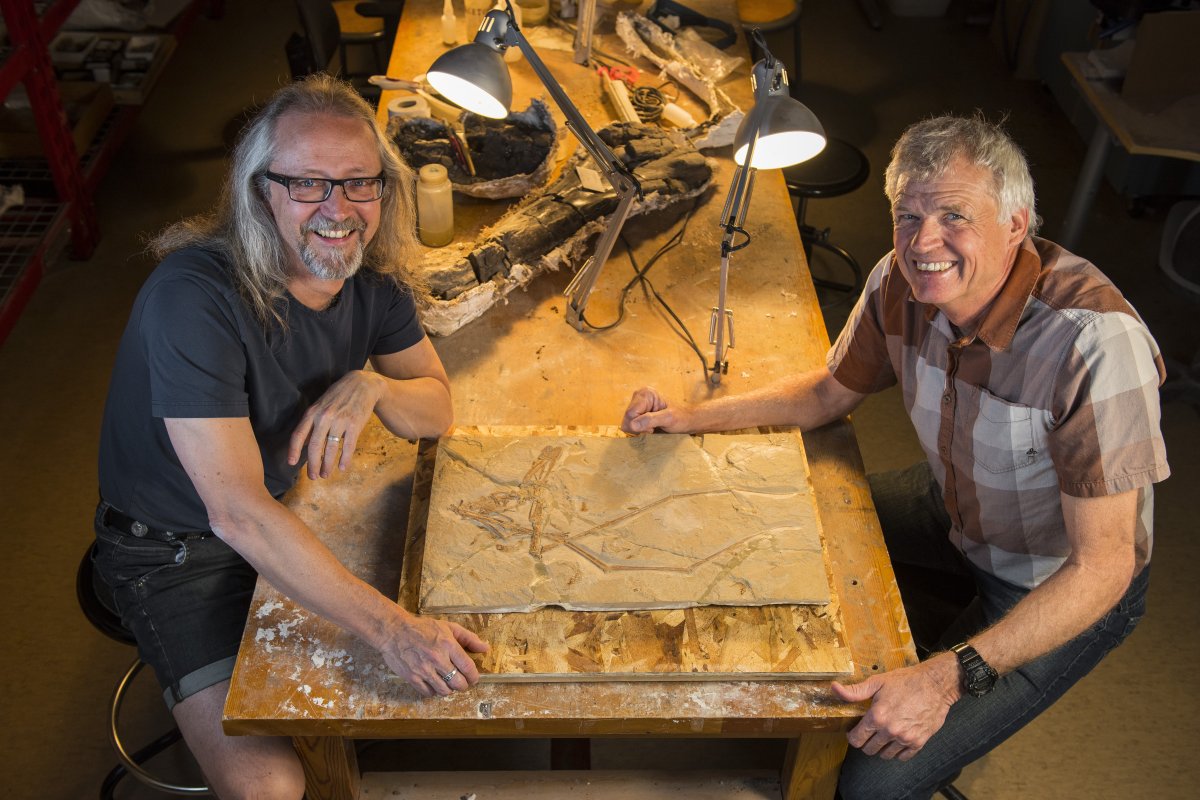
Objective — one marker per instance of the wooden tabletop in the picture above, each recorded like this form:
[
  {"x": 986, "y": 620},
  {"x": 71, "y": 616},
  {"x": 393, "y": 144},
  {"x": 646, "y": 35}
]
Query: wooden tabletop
[
  {"x": 1173, "y": 132},
  {"x": 521, "y": 364}
]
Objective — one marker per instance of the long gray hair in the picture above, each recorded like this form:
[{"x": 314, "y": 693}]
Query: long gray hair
[
  {"x": 926, "y": 148},
  {"x": 243, "y": 228}
]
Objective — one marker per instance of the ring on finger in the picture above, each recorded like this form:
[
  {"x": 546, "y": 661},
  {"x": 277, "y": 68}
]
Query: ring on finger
[
  {"x": 449, "y": 676},
  {"x": 333, "y": 438}
]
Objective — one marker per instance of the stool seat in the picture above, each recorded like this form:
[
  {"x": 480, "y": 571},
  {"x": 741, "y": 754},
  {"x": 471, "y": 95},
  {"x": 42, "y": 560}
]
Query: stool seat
[
  {"x": 838, "y": 169},
  {"x": 768, "y": 15},
  {"x": 102, "y": 618},
  {"x": 109, "y": 623}
]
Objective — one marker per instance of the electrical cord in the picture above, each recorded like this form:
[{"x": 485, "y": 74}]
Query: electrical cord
[
  {"x": 639, "y": 276},
  {"x": 649, "y": 101}
]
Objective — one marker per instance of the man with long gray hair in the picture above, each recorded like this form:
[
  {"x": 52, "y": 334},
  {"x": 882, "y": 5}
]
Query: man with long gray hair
[
  {"x": 244, "y": 358},
  {"x": 1033, "y": 388}
]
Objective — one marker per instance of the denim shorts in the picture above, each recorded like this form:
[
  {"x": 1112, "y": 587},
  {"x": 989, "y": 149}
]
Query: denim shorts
[{"x": 184, "y": 597}]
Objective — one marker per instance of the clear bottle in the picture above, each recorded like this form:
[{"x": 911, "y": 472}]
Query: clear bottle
[{"x": 435, "y": 206}]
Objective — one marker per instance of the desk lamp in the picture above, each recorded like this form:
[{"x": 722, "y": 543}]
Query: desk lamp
[
  {"x": 778, "y": 132},
  {"x": 475, "y": 77}
]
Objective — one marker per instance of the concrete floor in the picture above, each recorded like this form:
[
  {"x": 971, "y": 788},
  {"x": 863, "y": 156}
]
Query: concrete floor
[{"x": 1126, "y": 731}]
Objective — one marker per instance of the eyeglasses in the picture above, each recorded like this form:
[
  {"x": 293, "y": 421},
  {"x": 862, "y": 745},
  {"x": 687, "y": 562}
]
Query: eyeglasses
[{"x": 317, "y": 190}]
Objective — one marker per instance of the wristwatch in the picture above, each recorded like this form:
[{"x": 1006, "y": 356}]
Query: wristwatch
[{"x": 978, "y": 676}]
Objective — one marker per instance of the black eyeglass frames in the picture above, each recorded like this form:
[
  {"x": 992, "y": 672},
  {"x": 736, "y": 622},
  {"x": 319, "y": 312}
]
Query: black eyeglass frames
[{"x": 317, "y": 190}]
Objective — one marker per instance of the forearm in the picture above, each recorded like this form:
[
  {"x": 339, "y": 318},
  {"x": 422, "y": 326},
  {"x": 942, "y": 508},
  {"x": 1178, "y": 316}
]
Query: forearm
[
  {"x": 803, "y": 400},
  {"x": 1062, "y": 607},
  {"x": 290, "y": 556},
  {"x": 414, "y": 408}
]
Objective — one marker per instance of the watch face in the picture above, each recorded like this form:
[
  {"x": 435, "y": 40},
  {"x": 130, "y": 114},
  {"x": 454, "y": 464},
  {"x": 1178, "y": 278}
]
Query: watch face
[{"x": 981, "y": 680}]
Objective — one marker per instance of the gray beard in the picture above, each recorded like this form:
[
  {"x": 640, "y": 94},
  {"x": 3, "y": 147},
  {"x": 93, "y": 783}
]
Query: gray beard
[{"x": 330, "y": 266}]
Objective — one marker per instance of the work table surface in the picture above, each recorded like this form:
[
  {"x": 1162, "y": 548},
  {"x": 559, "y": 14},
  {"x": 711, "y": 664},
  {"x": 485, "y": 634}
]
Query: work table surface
[{"x": 521, "y": 364}]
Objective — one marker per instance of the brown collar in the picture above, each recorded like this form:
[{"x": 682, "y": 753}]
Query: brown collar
[{"x": 999, "y": 323}]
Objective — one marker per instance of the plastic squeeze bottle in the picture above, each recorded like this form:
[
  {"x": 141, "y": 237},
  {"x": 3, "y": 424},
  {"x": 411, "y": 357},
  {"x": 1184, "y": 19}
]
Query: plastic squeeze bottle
[
  {"x": 449, "y": 23},
  {"x": 435, "y": 206}
]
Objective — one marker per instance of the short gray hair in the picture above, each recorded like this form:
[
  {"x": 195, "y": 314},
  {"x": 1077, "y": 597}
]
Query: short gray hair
[
  {"x": 243, "y": 227},
  {"x": 925, "y": 150}
]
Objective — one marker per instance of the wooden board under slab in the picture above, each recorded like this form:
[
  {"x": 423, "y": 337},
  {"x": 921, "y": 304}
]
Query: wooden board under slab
[{"x": 705, "y": 643}]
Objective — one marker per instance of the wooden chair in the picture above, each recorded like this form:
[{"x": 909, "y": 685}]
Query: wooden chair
[{"x": 108, "y": 623}]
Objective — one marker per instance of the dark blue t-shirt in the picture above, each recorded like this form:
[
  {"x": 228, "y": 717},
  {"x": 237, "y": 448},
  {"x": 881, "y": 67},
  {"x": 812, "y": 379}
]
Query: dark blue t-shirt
[{"x": 193, "y": 348}]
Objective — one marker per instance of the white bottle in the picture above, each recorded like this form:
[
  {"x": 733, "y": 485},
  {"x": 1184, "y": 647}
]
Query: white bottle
[
  {"x": 435, "y": 206},
  {"x": 449, "y": 23}
]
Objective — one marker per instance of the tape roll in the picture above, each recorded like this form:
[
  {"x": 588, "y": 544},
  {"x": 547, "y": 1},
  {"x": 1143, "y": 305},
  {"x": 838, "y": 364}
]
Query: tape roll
[{"x": 410, "y": 105}]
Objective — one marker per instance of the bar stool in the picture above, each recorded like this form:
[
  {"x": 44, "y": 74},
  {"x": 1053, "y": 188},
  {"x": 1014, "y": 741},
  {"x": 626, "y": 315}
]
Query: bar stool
[
  {"x": 838, "y": 169},
  {"x": 108, "y": 623}
]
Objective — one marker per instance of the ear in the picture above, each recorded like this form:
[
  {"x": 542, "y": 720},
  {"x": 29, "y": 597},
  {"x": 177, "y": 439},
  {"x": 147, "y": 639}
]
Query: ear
[{"x": 1018, "y": 226}]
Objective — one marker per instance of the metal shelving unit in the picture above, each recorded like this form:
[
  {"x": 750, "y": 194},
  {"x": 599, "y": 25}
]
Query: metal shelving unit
[{"x": 58, "y": 185}]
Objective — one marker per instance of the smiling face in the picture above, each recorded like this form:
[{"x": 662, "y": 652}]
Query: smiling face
[
  {"x": 325, "y": 240},
  {"x": 950, "y": 244}
]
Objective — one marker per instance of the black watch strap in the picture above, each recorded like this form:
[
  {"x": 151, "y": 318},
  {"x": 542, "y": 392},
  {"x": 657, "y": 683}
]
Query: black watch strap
[{"x": 978, "y": 676}]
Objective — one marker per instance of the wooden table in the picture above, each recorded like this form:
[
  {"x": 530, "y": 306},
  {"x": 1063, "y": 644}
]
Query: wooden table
[
  {"x": 1174, "y": 133},
  {"x": 521, "y": 364}
]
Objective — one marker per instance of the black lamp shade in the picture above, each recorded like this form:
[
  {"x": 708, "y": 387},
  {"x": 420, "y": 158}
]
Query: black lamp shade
[{"x": 475, "y": 77}]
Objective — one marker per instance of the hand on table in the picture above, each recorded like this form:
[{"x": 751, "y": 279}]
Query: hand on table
[
  {"x": 425, "y": 651},
  {"x": 908, "y": 706},
  {"x": 648, "y": 410},
  {"x": 331, "y": 426}
]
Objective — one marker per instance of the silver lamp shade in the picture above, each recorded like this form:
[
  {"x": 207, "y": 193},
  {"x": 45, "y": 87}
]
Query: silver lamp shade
[{"x": 787, "y": 134}]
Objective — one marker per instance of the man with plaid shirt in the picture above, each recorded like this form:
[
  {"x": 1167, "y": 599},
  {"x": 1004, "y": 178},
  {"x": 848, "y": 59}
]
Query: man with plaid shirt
[{"x": 1033, "y": 387}]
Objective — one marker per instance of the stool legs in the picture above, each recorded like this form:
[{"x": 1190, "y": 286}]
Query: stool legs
[{"x": 811, "y": 237}]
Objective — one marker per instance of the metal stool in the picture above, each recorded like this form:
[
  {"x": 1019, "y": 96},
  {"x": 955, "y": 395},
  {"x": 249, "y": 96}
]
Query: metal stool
[
  {"x": 838, "y": 169},
  {"x": 108, "y": 623}
]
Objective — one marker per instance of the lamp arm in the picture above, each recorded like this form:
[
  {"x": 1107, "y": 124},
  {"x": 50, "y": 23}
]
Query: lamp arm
[{"x": 613, "y": 169}]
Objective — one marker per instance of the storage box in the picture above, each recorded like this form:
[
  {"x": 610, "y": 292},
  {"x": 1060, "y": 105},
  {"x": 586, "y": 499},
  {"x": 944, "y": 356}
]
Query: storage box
[
  {"x": 131, "y": 63},
  {"x": 71, "y": 49},
  {"x": 1163, "y": 67},
  {"x": 86, "y": 106}
]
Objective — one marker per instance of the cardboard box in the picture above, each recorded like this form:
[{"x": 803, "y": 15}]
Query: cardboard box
[
  {"x": 1163, "y": 69},
  {"x": 86, "y": 105}
]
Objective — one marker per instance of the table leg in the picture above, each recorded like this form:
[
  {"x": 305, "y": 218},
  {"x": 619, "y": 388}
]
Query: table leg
[
  {"x": 810, "y": 768},
  {"x": 1085, "y": 187},
  {"x": 330, "y": 767}
]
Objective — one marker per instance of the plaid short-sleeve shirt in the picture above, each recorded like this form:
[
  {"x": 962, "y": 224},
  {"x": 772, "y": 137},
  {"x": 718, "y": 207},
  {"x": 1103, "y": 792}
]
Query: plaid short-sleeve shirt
[{"x": 1057, "y": 391}]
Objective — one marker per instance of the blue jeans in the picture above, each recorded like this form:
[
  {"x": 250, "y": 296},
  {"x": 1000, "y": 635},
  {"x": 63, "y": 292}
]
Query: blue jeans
[{"x": 915, "y": 525}]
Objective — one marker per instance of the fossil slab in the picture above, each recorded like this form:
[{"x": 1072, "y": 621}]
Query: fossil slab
[{"x": 516, "y": 523}]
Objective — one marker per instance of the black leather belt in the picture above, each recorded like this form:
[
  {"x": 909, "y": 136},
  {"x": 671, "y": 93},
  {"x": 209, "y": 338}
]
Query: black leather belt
[{"x": 126, "y": 524}]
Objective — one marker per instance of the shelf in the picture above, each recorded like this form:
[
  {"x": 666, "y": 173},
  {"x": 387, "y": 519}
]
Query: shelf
[
  {"x": 33, "y": 232},
  {"x": 30, "y": 235}
]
